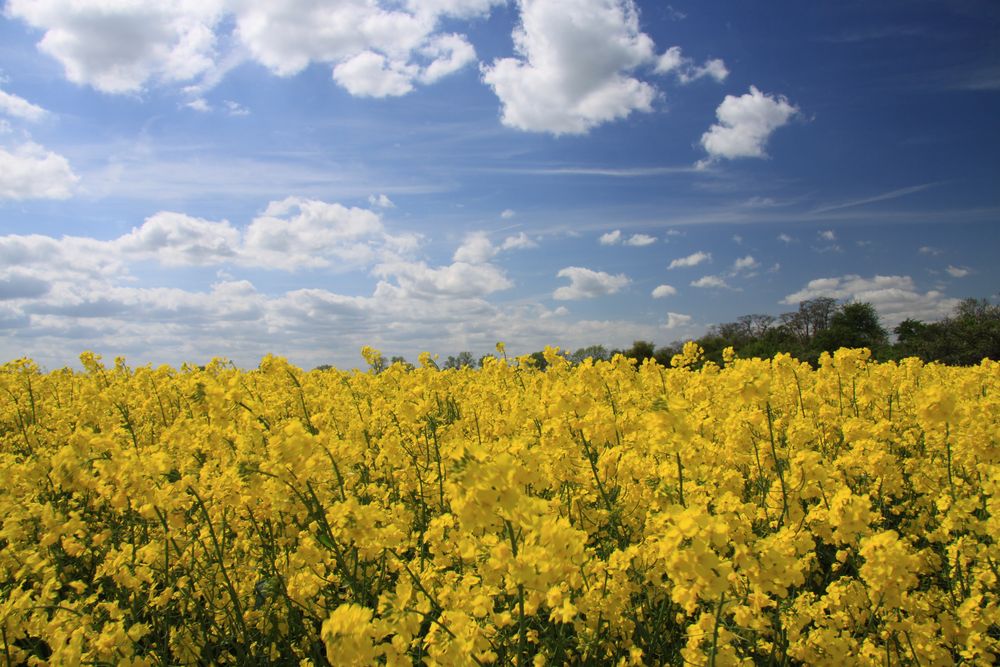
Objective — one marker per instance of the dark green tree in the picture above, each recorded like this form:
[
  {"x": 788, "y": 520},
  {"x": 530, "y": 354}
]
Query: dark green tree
[
  {"x": 854, "y": 324},
  {"x": 640, "y": 350},
  {"x": 595, "y": 352},
  {"x": 463, "y": 360}
]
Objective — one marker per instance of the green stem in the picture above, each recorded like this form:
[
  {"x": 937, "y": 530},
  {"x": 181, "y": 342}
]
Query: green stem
[{"x": 715, "y": 630}]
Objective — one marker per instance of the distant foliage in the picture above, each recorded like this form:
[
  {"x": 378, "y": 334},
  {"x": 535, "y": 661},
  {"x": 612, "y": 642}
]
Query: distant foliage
[{"x": 821, "y": 325}]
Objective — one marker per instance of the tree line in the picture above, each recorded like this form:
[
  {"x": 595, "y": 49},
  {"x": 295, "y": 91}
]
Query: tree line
[{"x": 970, "y": 334}]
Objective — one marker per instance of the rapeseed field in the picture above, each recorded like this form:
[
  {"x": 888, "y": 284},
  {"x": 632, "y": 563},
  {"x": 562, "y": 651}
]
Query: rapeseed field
[{"x": 759, "y": 512}]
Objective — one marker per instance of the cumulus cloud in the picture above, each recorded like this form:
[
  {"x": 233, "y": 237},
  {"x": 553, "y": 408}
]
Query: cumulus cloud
[
  {"x": 29, "y": 171},
  {"x": 663, "y": 291},
  {"x": 376, "y": 47},
  {"x": 828, "y": 235},
  {"x": 59, "y": 296},
  {"x": 448, "y": 54},
  {"x": 507, "y": 213},
  {"x": 694, "y": 259},
  {"x": 673, "y": 61},
  {"x": 895, "y": 297},
  {"x": 785, "y": 238},
  {"x": 574, "y": 65},
  {"x": 518, "y": 242},
  {"x": 745, "y": 125},
  {"x": 381, "y": 201},
  {"x": 611, "y": 238},
  {"x": 676, "y": 320},
  {"x": 175, "y": 239},
  {"x": 477, "y": 248},
  {"x": 636, "y": 240},
  {"x": 586, "y": 283},
  {"x": 290, "y": 234},
  {"x": 305, "y": 233},
  {"x": 18, "y": 107},
  {"x": 957, "y": 271},
  {"x": 370, "y": 74},
  {"x": 199, "y": 105},
  {"x": 118, "y": 47},
  {"x": 18, "y": 285},
  {"x": 457, "y": 279},
  {"x": 929, "y": 250},
  {"x": 747, "y": 263},
  {"x": 640, "y": 240},
  {"x": 711, "y": 282}
]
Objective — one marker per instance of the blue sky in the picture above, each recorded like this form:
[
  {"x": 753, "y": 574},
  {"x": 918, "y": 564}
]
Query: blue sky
[{"x": 232, "y": 178}]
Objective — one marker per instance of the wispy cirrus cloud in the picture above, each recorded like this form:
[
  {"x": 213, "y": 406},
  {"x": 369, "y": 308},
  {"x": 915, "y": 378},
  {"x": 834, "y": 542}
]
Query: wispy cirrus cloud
[{"x": 885, "y": 196}]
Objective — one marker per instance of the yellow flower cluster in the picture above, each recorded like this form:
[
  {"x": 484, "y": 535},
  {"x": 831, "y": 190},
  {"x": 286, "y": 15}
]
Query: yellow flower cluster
[{"x": 762, "y": 512}]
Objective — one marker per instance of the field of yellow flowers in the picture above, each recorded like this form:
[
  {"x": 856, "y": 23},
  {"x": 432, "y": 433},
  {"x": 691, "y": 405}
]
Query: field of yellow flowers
[{"x": 763, "y": 512}]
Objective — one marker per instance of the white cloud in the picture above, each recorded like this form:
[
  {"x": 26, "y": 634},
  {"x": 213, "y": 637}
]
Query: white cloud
[
  {"x": 895, "y": 297},
  {"x": 289, "y": 235},
  {"x": 785, "y": 238},
  {"x": 176, "y": 239},
  {"x": 693, "y": 259},
  {"x": 286, "y": 37},
  {"x": 518, "y": 242},
  {"x": 370, "y": 74},
  {"x": 573, "y": 66},
  {"x": 29, "y": 171},
  {"x": 236, "y": 109},
  {"x": 458, "y": 279},
  {"x": 448, "y": 54},
  {"x": 376, "y": 47},
  {"x": 636, "y": 240},
  {"x": 477, "y": 248},
  {"x": 18, "y": 107},
  {"x": 828, "y": 235},
  {"x": 745, "y": 125},
  {"x": 199, "y": 105},
  {"x": 586, "y": 284},
  {"x": 663, "y": 291},
  {"x": 675, "y": 320},
  {"x": 305, "y": 233},
  {"x": 62, "y": 295},
  {"x": 640, "y": 240},
  {"x": 737, "y": 239},
  {"x": 711, "y": 282},
  {"x": 714, "y": 69},
  {"x": 674, "y": 61},
  {"x": 507, "y": 213},
  {"x": 611, "y": 238},
  {"x": 957, "y": 271},
  {"x": 929, "y": 250},
  {"x": 381, "y": 201},
  {"x": 747, "y": 263},
  {"x": 117, "y": 47}
]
